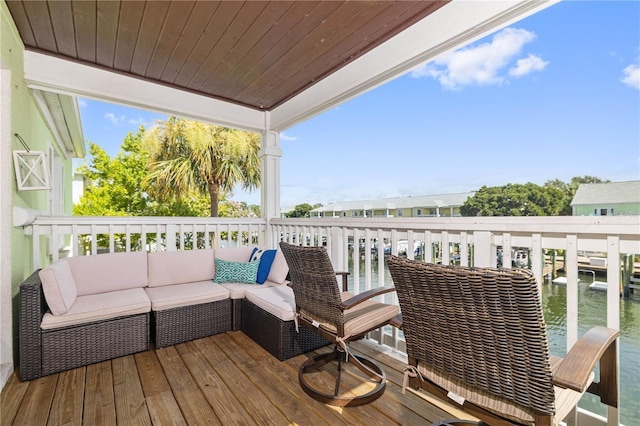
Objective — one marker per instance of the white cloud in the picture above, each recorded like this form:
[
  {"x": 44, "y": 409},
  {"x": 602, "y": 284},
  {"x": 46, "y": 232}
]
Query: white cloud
[
  {"x": 82, "y": 103},
  {"x": 631, "y": 76},
  {"x": 528, "y": 65},
  {"x": 285, "y": 137},
  {"x": 113, "y": 118},
  {"x": 483, "y": 64},
  {"x": 136, "y": 122}
]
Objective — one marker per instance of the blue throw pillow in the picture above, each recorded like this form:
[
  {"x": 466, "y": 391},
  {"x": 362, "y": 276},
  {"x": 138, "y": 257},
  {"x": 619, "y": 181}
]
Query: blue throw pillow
[
  {"x": 266, "y": 258},
  {"x": 235, "y": 272}
]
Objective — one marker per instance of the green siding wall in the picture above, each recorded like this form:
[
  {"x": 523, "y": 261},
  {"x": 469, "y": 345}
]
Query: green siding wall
[
  {"x": 27, "y": 121},
  {"x": 618, "y": 209}
]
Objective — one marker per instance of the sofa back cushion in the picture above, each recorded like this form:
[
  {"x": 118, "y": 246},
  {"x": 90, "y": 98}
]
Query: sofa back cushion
[
  {"x": 109, "y": 272},
  {"x": 180, "y": 267},
  {"x": 234, "y": 254},
  {"x": 279, "y": 269},
  {"x": 58, "y": 286}
]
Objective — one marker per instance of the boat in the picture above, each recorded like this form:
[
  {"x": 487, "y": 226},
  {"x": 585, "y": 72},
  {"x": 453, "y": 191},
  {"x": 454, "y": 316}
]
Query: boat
[
  {"x": 562, "y": 281},
  {"x": 598, "y": 285},
  {"x": 595, "y": 285}
]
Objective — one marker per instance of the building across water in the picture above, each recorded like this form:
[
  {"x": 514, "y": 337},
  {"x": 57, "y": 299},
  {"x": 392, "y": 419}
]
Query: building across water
[
  {"x": 441, "y": 205},
  {"x": 607, "y": 199}
]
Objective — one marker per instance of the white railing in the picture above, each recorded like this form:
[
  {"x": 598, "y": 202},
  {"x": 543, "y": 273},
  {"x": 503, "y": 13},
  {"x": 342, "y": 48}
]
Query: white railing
[
  {"x": 478, "y": 241},
  {"x": 53, "y": 236}
]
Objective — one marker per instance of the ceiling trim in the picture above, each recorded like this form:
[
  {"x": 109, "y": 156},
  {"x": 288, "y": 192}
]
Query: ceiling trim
[
  {"x": 50, "y": 73},
  {"x": 450, "y": 27}
]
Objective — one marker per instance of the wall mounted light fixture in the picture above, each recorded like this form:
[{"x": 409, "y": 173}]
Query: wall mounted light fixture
[{"x": 31, "y": 168}]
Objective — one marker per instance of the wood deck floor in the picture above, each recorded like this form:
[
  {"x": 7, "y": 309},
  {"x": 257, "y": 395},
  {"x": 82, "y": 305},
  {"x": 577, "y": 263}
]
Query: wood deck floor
[{"x": 225, "y": 379}]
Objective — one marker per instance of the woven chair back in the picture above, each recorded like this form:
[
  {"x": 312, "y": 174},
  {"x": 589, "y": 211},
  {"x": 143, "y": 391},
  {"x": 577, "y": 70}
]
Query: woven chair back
[
  {"x": 480, "y": 327},
  {"x": 314, "y": 283}
]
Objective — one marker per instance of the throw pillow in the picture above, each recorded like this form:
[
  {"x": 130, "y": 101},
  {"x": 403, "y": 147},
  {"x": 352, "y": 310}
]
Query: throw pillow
[
  {"x": 265, "y": 257},
  {"x": 235, "y": 272}
]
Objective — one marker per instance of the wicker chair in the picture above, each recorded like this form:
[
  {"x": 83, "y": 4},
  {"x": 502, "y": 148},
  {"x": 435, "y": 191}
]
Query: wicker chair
[
  {"x": 339, "y": 317},
  {"x": 477, "y": 336}
]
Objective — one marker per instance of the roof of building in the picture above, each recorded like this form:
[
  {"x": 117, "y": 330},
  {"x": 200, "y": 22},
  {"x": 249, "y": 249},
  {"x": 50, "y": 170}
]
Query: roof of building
[
  {"x": 607, "y": 193},
  {"x": 421, "y": 201}
]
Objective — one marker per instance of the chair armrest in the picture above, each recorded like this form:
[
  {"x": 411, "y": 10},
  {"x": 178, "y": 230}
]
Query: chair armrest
[
  {"x": 345, "y": 283},
  {"x": 595, "y": 345},
  {"x": 357, "y": 299},
  {"x": 396, "y": 321}
]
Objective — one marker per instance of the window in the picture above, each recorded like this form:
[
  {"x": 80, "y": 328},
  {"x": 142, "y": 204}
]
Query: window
[
  {"x": 419, "y": 212},
  {"x": 400, "y": 213}
]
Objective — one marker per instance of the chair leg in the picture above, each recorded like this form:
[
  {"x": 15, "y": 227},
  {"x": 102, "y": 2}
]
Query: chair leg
[{"x": 364, "y": 364}]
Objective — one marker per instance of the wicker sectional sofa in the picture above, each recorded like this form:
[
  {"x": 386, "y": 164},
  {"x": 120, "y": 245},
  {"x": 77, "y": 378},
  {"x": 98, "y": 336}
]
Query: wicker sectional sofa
[{"x": 83, "y": 310}]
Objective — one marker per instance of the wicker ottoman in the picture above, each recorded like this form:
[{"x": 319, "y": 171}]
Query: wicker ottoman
[{"x": 267, "y": 317}]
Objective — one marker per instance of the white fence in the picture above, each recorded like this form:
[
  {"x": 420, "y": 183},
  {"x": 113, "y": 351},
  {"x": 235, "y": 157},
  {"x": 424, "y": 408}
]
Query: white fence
[
  {"x": 477, "y": 240},
  {"x": 54, "y": 236}
]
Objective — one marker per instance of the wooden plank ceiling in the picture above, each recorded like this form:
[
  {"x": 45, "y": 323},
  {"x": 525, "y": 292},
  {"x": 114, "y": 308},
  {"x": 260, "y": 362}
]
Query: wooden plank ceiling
[{"x": 254, "y": 53}]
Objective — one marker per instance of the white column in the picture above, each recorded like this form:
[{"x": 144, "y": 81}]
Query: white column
[
  {"x": 270, "y": 154},
  {"x": 6, "y": 335}
]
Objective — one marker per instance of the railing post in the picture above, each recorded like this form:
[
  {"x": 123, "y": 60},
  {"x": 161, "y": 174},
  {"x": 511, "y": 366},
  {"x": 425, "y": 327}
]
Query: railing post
[
  {"x": 170, "y": 237},
  {"x": 337, "y": 249},
  {"x": 484, "y": 252}
]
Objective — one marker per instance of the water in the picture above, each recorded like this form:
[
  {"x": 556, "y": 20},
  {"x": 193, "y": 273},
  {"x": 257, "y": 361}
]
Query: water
[{"x": 591, "y": 312}]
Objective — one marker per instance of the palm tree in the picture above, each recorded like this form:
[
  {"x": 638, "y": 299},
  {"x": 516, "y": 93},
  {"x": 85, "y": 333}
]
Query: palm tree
[{"x": 189, "y": 156}]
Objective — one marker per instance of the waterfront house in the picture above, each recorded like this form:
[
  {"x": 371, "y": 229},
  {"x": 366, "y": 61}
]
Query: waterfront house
[
  {"x": 607, "y": 199},
  {"x": 227, "y": 63},
  {"x": 441, "y": 205}
]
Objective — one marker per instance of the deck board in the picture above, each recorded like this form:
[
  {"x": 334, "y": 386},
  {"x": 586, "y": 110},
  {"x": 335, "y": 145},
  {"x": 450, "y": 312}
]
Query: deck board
[
  {"x": 99, "y": 401},
  {"x": 131, "y": 407},
  {"x": 10, "y": 401},
  {"x": 223, "y": 379},
  {"x": 68, "y": 400}
]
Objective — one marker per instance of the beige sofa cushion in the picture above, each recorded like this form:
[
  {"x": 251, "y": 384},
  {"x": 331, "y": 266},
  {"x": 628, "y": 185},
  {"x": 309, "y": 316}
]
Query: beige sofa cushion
[
  {"x": 279, "y": 269},
  {"x": 108, "y": 272},
  {"x": 180, "y": 267},
  {"x": 238, "y": 290},
  {"x": 235, "y": 254},
  {"x": 99, "y": 307},
  {"x": 178, "y": 295},
  {"x": 58, "y": 286},
  {"x": 278, "y": 301}
]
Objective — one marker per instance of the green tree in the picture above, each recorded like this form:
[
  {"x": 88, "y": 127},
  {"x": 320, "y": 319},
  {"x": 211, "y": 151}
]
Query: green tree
[
  {"x": 190, "y": 157},
  {"x": 569, "y": 189},
  {"x": 514, "y": 200},
  {"x": 115, "y": 182},
  {"x": 302, "y": 210},
  {"x": 229, "y": 208}
]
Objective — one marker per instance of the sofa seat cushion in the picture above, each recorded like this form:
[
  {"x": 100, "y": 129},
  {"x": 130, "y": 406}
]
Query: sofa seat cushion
[
  {"x": 100, "y": 307},
  {"x": 180, "y": 267},
  {"x": 279, "y": 301},
  {"x": 238, "y": 290},
  {"x": 178, "y": 295},
  {"x": 103, "y": 273}
]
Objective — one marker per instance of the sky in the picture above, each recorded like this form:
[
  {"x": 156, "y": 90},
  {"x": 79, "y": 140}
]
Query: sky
[{"x": 553, "y": 96}]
